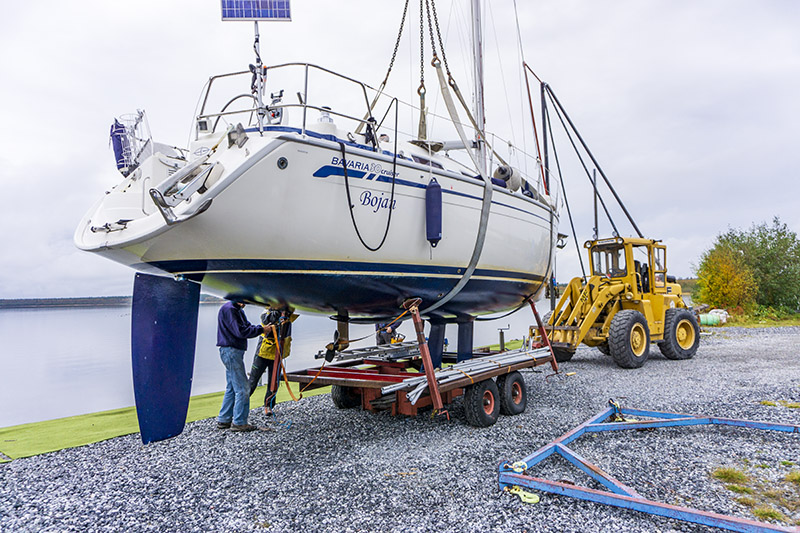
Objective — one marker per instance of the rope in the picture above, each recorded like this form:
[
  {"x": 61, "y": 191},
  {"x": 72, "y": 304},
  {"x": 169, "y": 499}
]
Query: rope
[
  {"x": 472, "y": 381},
  {"x": 597, "y": 166},
  {"x": 564, "y": 190},
  {"x": 386, "y": 79},
  {"x": 279, "y": 355},
  {"x": 313, "y": 379},
  {"x": 391, "y": 198},
  {"x": 577, "y": 152}
]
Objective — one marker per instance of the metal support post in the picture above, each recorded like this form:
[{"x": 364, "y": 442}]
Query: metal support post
[
  {"x": 436, "y": 341},
  {"x": 419, "y": 326},
  {"x": 465, "y": 335},
  {"x": 544, "y": 336}
]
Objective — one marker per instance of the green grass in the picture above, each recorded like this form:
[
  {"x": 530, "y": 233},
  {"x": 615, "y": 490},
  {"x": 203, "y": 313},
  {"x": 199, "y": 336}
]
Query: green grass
[
  {"x": 768, "y": 513},
  {"x": 512, "y": 344},
  {"x": 739, "y": 489},
  {"x": 27, "y": 440},
  {"x": 730, "y": 475},
  {"x": 747, "y": 501},
  {"x": 793, "y": 476},
  {"x": 787, "y": 463},
  {"x": 748, "y": 321}
]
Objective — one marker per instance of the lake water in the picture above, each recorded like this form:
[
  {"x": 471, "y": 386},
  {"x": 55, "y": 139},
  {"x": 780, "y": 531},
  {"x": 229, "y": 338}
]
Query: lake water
[{"x": 70, "y": 361}]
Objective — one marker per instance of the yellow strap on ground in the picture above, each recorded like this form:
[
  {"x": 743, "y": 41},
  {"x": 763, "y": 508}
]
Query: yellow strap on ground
[{"x": 524, "y": 495}]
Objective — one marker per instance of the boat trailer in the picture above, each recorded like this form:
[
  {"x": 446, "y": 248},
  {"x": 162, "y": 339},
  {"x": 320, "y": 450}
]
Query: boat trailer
[
  {"x": 400, "y": 377},
  {"x": 618, "y": 494}
]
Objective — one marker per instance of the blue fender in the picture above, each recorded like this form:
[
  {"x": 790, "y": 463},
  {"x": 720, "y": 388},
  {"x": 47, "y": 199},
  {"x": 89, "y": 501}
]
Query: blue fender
[
  {"x": 433, "y": 212},
  {"x": 163, "y": 338}
]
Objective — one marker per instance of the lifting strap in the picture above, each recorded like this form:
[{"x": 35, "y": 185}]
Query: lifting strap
[{"x": 480, "y": 239}]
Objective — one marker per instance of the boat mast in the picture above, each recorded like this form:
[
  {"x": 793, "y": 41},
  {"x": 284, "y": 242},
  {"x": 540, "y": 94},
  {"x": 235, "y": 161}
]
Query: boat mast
[{"x": 477, "y": 52}]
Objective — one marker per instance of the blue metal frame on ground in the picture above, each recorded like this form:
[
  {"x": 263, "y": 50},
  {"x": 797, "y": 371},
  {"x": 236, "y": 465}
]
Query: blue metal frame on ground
[{"x": 618, "y": 494}]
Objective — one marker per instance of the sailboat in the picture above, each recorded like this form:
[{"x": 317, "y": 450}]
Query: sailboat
[{"x": 361, "y": 215}]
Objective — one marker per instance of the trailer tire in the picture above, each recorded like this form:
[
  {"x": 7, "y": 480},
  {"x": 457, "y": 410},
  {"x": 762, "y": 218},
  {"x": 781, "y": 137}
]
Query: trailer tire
[
  {"x": 629, "y": 339},
  {"x": 681, "y": 334},
  {"x": 345, "y": 397},
  {"x": 481, "y": 403},
  {"x": 513, "y": 394}
]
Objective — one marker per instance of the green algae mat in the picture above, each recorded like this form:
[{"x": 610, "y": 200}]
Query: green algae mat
[{"x": 27, "y": 440}]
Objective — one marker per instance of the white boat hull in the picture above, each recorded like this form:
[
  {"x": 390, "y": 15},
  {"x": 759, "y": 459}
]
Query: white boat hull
[{"x": 286, "y": 234}]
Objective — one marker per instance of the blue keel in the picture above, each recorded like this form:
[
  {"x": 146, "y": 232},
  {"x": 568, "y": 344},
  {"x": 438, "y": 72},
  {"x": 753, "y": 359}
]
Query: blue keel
[{"x": 163, "y": 337}]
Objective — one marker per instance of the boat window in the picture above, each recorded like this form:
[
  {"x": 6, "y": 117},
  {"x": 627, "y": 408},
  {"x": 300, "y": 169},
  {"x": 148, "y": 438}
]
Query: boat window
[
  {"x": 424, "y": 161},
  {"x": 609, "y": 261}
]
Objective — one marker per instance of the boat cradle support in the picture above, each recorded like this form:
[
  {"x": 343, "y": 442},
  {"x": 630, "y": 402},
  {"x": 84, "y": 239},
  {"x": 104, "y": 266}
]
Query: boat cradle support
[{"x": 618, "y": 494}]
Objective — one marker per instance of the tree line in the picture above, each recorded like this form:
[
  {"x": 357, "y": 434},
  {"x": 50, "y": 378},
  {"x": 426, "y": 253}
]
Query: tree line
[{"x": 754, "y": 270}]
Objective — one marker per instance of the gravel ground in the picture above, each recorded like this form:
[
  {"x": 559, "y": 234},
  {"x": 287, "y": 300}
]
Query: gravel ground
[{"x": 350, "y": 470}]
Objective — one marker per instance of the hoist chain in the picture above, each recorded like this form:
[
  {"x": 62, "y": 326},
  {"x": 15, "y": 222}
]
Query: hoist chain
[
  {"x": 421, "y": 48},
  {"x": 435, "y": 58},
  {"x": 397, "y": 43},
  {"x": 441, "y": 41}
]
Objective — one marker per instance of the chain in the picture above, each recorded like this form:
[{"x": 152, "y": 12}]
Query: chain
[
  {"x": 397, "y": 43},
  {"x": 435, "y": 59},
  {"x": 441, "y": 42},
  {"x": 421, "y": 48}
]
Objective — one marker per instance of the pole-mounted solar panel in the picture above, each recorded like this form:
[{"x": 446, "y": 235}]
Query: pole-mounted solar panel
[
  {"x": 277, "y": 10},
  {"x": 255, "y": 10}
]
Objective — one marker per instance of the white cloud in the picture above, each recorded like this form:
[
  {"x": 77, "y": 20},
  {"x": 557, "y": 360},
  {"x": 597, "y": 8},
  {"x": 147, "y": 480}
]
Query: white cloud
[{"x": 691, "y": 107}]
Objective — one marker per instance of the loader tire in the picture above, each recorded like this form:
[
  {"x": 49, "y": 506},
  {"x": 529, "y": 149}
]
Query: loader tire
[
  {"x": 681, "y": 334},
  {"x": 562, "y": 354},
  {"x": 629, "y": 339},
  {"x": 345, "y": 397}
]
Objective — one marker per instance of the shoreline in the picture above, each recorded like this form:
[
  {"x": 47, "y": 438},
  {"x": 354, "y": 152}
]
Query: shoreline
[{"x": 83, "y": 302}]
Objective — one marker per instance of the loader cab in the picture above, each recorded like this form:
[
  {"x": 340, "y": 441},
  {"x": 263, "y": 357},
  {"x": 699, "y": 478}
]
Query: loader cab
[
  {"x": 640, "y": 262},
  {"x": 608, "y": 259}
]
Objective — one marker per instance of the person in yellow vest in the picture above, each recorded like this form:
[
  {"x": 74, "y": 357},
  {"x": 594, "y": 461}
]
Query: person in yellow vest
[{"x": 277, "y": 323}]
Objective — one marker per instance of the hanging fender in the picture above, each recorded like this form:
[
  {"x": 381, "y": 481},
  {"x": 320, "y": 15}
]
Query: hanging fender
[{"x": 433, "y": 212}]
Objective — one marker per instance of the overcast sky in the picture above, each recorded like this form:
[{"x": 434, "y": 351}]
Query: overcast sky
[{"x": 691, "y": 106}]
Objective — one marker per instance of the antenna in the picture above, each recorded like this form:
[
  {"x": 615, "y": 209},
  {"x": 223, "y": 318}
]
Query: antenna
[{"x": 255, "y": 10}]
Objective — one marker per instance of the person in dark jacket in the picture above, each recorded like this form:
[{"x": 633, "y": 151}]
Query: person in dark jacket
[{"x": 233, "y": 330}]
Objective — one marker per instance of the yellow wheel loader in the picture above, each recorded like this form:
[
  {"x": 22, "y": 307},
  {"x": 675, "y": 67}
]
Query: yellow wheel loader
[{"x": 628, "y": 302}]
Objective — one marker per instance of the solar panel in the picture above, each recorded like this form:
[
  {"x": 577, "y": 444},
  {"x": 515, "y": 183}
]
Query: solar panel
[{"x": 256, "y": 10}]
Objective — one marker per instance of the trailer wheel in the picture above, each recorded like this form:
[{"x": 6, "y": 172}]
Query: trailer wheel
[
  {"x": 481, "y": 404},
  {"x": 629, "y": 339},
  {"x": 681, "y": 334},
  {"x": 345, "y": 397},
  {"x": 513, "y": 394}
]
